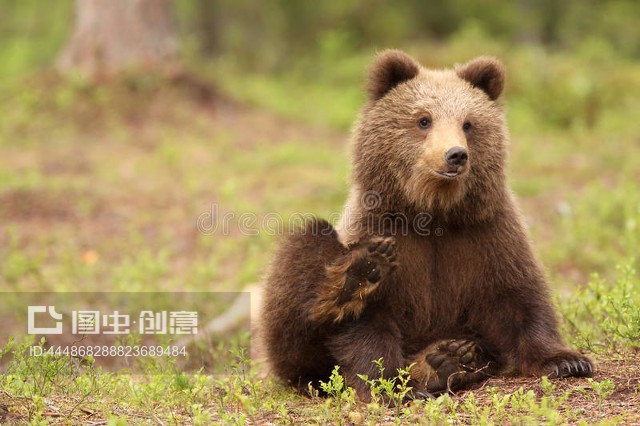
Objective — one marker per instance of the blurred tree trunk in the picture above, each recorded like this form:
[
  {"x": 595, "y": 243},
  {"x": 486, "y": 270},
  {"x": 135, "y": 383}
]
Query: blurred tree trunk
[
  {"x": 208, "y": 26},
  {"x": 114, "y": 35}
]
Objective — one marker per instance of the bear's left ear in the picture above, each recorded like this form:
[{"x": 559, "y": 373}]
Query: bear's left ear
[
  {"x": 390, "y": 68},
  {"x": 485, "y": 73}
]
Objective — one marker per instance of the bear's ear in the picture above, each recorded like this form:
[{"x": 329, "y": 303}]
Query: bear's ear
[
  {"x": 390, "y": 68},
  {"x": 485, "y": 73}
]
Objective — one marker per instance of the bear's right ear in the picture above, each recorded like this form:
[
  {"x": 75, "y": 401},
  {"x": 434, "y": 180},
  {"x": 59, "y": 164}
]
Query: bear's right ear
[{"x": 390, "y": 68}]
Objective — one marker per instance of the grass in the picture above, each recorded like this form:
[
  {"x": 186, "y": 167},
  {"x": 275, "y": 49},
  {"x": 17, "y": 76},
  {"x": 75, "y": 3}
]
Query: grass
[
  {"x": 47, "y": 390},
  {"x": 101, "y": 188}
]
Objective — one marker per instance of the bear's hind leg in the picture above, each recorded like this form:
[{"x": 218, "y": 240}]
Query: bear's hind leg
[
  {"x": 357, "y": 345},
  {"x": 313, "y": 284}
]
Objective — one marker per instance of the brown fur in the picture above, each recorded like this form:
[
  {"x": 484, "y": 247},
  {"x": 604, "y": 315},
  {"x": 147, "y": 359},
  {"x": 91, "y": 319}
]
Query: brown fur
[{"x": 468, "y": 298}]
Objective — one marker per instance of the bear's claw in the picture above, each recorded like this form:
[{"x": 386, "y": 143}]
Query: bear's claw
[
  {"x": 570, "y": 365},
  {"x": 417, "y": 395}
]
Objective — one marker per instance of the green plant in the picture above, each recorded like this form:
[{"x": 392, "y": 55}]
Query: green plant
[
  {"x": 335, "y": 388},
  {"x": 606, "y": 316},
  {"x": 391, "y": 391},
  {"x": 602, "y": 390}
]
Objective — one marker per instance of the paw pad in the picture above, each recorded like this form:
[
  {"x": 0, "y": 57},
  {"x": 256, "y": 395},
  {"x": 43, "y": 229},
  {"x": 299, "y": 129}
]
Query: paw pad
[{"x": 372, "y": 263}]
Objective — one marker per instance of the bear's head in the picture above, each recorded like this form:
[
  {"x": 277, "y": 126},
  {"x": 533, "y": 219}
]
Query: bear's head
[{"x": 432, "y": 140}]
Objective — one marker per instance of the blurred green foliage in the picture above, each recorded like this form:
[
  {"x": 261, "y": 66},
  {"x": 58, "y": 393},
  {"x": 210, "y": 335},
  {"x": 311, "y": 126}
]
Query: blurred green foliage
[
  {"x": 278, "y": 35},
  {"x": 604, "y": 317},
  {"x": 573, "y": 92},
  {"x": 275, "y": 35},
  {"x": 31, "y": 33}
]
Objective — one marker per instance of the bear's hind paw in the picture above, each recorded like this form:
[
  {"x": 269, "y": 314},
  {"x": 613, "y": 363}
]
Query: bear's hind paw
[
  {"x": 568, "y": 365},
  {"x": 454, "y": 364}
]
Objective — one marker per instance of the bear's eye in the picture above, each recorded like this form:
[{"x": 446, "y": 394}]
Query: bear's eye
[
  {"x": 467, "y": 126},
  {"x": 424, "y": 123}
]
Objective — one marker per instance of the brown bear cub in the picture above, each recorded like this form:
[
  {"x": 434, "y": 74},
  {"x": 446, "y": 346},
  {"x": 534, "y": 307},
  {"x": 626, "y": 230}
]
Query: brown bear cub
[{"x": 430, "y": 264}]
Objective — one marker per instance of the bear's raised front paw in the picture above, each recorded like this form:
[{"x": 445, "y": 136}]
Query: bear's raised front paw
[
  {"x": 352, "y": 278},
  {"x": 455, "y": 364},
  {"x": 571, "y": 364},
  {"x": 372, "y": 262}
]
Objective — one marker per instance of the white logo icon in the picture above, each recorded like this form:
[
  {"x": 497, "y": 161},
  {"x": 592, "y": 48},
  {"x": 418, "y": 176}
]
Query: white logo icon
[{"x": 32, "y": 329}]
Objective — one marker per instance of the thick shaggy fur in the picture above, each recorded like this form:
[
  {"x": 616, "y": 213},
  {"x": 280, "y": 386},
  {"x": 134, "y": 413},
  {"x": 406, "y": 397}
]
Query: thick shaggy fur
[{"x": 423, "y": 268}]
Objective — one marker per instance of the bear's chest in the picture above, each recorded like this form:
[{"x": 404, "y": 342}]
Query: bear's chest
[{"x": 435, "y": 282}]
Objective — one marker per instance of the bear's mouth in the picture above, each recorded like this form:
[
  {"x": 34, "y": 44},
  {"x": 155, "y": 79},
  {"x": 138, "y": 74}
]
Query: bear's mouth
[{"x": 451, "y": 174}]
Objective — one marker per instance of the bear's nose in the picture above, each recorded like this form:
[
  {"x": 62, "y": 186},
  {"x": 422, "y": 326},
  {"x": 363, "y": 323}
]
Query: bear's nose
[{"x": 456, "y": 156}]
